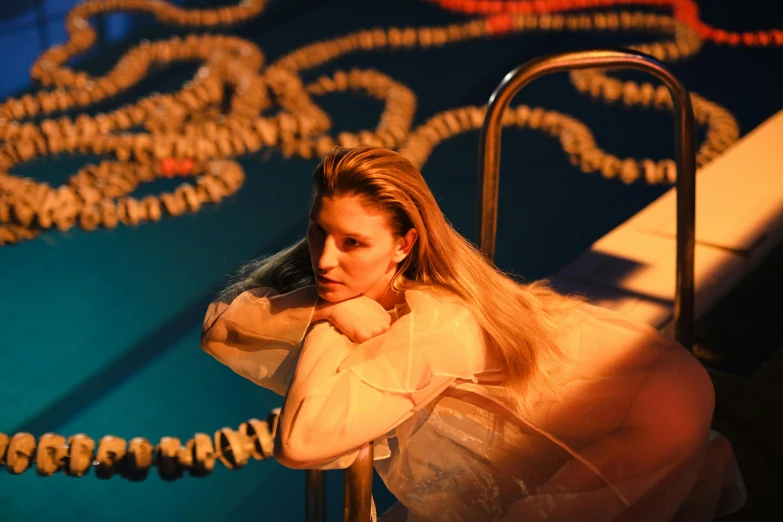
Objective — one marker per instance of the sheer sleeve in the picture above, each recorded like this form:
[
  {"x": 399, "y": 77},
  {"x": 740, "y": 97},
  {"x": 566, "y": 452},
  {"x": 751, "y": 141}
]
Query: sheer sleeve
[
  {"x": 345, "y": 394},
  {"x": 259, "y": 334}
]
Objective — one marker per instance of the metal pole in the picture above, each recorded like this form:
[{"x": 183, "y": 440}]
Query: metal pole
[
  {"x": 315, "y": 496},
  {"x": 685, "y": 156},
  {"x": 357, "y": 487}
]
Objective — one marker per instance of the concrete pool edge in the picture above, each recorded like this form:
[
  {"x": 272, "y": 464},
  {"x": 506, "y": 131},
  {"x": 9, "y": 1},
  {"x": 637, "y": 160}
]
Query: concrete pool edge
[{"x": 739, "y": 220}]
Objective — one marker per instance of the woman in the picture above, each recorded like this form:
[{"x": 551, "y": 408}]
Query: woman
[{"x": 487, "y": 399}]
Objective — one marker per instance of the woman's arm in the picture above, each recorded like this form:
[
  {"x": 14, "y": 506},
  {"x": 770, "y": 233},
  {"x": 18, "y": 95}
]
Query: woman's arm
[
  {"x": 258, "y": 334},
  {"x": 346, "y": 394}
]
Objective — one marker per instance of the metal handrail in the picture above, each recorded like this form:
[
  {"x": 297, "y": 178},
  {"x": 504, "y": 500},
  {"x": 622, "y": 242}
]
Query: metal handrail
[
  {"x": 357, "y": 487},
  {"x": 685, "y": 141},
  {"x": 357, "y": 490},
  {"x": 315, "y": 495}
]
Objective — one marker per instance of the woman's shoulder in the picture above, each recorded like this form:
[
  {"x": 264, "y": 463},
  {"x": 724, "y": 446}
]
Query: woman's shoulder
[
  {"x": 437, "y": 301},
  {"x": 433, "y": 294}
]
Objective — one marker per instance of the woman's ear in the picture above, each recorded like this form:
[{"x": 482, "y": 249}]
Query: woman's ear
[{"x": 405, "y": 244}]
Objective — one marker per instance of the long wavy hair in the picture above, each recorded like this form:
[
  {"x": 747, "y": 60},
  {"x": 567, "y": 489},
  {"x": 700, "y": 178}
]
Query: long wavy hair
[{"x": 521, "y": 320}]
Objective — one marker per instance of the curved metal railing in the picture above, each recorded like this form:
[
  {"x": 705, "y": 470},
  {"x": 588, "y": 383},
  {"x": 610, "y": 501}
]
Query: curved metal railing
[
  {"x": 357, "y": 490},
  {"x": 684, "y": 136}
]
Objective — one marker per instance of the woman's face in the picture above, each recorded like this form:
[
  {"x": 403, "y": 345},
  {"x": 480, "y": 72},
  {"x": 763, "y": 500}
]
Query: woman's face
[{"x": 352, "y": 248}]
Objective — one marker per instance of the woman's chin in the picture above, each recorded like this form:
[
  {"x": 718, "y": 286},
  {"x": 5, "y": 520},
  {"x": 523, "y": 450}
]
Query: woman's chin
[{"x": 333, "y": 295}]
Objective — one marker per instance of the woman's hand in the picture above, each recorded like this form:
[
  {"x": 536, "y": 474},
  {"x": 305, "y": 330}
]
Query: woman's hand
[{"x": 359, "y": 318}]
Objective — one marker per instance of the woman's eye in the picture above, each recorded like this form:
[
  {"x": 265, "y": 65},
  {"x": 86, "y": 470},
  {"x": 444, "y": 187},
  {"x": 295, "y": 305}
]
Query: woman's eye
[{"x": 352, "y": 242}]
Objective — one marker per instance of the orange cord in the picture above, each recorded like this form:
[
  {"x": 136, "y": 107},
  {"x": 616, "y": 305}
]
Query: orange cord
[{"x": 686, "y": 10}]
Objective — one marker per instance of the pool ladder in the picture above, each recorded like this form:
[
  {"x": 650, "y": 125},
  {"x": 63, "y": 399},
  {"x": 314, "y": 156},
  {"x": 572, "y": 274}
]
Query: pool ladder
[{"x": 357, "y": 490}]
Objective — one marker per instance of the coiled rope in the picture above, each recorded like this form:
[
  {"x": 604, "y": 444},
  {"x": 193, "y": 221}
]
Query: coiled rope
[{"x": 190, "y": 134}]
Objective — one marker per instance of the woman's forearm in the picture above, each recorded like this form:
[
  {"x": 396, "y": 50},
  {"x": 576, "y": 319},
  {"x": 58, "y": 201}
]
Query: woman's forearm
[
  {"x": 262, "y": 310},
  {"x": 259, "y": 333},
  {"x": 317, "y": 366},
  {"x": 323, "y": 310},
  {"x": 302, "y": 306}
]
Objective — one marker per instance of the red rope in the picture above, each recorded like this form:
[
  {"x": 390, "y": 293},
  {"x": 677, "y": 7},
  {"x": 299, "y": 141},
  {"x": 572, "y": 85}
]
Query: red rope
[{"x": 686, "y": 10}]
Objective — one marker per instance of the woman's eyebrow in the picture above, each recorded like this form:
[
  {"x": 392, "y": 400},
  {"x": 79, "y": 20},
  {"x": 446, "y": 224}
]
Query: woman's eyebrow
[
  {"x": 362, "y": 238},
  {"x": 356, "y": 235}
]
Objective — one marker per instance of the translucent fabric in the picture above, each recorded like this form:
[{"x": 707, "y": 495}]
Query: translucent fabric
[{"x": 617, "y": 430}]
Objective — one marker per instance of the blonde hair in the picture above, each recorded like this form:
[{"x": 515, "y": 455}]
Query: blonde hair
[{"x": 521, "y": 321}]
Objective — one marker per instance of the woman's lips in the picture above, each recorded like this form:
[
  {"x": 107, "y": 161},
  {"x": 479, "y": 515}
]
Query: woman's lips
[{"x": 325, "y": 281}]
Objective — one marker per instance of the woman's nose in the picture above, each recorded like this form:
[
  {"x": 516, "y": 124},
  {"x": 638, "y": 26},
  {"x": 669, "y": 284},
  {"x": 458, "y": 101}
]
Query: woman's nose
[{"x": 328, "y": 258}]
